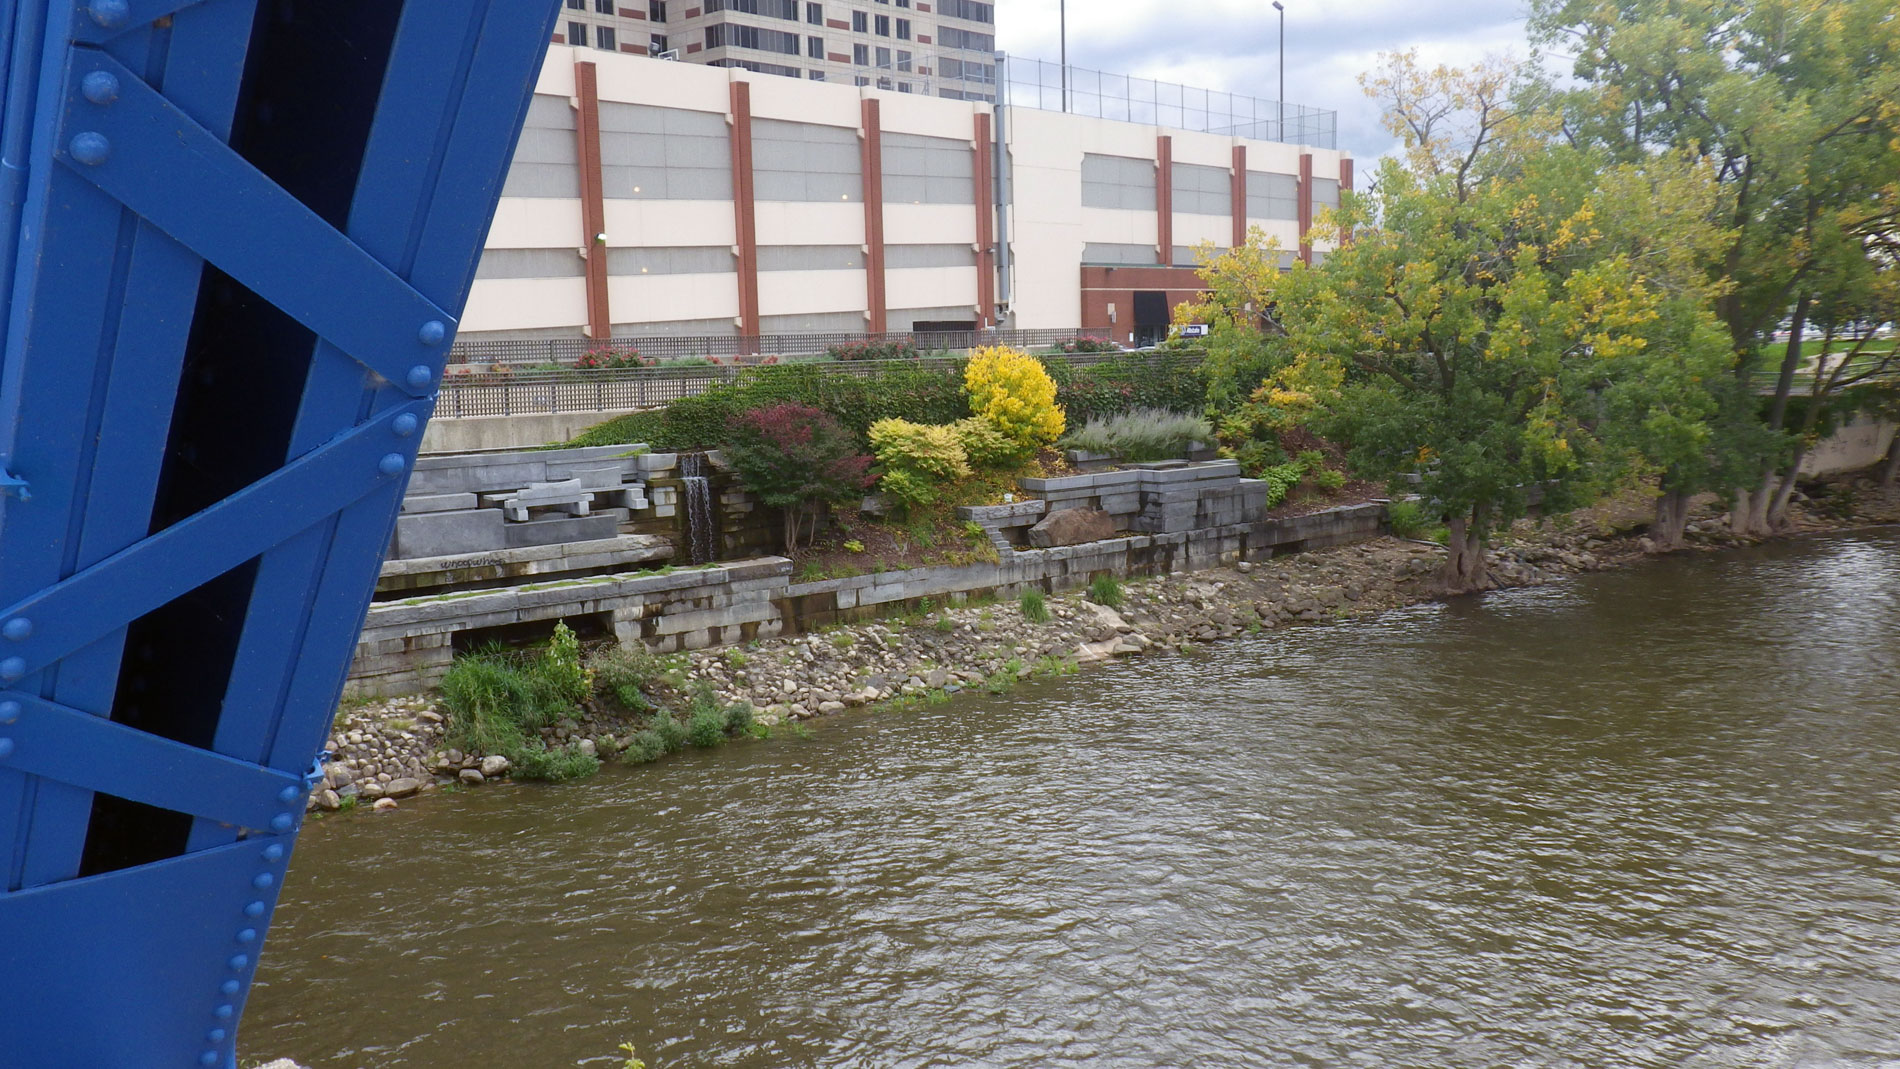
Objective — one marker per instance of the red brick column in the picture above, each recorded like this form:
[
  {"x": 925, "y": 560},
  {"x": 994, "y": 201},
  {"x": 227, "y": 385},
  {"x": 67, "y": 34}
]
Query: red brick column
[
  {"x": 872, "y": 159},
  {"x": 1306, "y": 207},
  {"x": 745, "y": 220},
  {"x": 984, "y": 172},
  {"x": 1164, "y": 200},
  {"x": 1240, "y": 196},
  {"x": 600, "y": 323}
]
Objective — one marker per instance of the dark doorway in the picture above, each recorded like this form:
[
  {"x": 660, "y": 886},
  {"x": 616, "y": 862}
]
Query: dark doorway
[{"x": 1151, "y": 318}]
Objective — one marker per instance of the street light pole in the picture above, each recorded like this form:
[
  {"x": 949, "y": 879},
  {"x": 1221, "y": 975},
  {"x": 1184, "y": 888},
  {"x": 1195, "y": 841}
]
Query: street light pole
[
  {"x": 1062, "y": 9},
  {"x": 1281, "y": 127}
]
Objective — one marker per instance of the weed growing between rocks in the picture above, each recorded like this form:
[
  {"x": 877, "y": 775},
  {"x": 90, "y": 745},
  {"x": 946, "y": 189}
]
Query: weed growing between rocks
[
  {"x": 1035, "y": 606},
  {"x": 1107, "y": 590}
]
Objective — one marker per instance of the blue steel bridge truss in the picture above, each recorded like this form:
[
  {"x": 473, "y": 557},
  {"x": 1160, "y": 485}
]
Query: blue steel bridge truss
[{"x": 234, "y": 239}]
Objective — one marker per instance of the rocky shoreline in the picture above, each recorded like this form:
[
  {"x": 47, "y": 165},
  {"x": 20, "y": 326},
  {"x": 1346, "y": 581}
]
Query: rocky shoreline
[{"x": 393, "y": 749}]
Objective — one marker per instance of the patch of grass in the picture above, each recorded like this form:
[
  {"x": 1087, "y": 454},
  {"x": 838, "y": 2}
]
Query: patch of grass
[
  {"x": 1035, "y": 606},
  {"x": 400, "y": 723},
  {"x": 945, "y": 625},
  {"x": 627, "y": 673},
  {"x": 1408, "y": 519},
  {"x": 1051, "y": 665},
  {"x": 844, "y": 640},
  {"x": 736, "y": 659},
  {"x": 496, "y": 699},
  {"x": 1107, "y": 590},
  {"x": 534, "y": 760},
  {"x": 706, "y": 727}
]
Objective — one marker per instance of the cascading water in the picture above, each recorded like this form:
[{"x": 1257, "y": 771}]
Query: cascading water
[{"x": 696, "y": 493}]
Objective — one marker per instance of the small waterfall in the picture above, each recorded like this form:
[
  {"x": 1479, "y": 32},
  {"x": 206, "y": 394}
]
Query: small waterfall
[{"x": 701, "y": 536}]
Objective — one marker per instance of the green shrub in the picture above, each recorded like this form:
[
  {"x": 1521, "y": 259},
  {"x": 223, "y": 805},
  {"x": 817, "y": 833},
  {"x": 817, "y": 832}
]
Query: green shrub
[
  {"x": 1106, "y": 590},
  {"x": 625, "y": 673},
  {"x": 1168, "y": 381},
  {"x": 1035, "y": 607},
  {"x": 1280, "y": 479},
  {"x": 1408, "y": 519},
  {"x": 1329, "y": 480},
  {"x": 919, "y": 461},
  {"x": 643, "y": 746},
  {"x": 534, "y": 760},
  {"x": 740, "y": 717},
  {"x": 561, "y": 665},
  {"x": 922, "y": 394},
  {"x": 984, "y": 445},
  {"x": 496, "y": 697},
  {"x": 1256, "y": 456},
  {"x": 1141, "y": 435},
  {"x": 671, "y": 733},
  {"x": 707, "y": 727}
]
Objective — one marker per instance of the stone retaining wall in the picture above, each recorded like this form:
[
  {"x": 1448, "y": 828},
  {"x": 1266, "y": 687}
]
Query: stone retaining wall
[{"x": 407, "y": 645}]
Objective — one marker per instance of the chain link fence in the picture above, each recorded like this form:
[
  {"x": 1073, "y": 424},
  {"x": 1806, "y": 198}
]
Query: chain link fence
[
  {"x": 752, "y": 349},
  {"x": 508, "y": 391},
  {"x": 1034, "y": 83}
]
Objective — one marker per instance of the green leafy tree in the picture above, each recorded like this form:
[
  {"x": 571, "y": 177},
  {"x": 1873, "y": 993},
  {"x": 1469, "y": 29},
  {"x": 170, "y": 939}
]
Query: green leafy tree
[{"x": 1795, "y": 104}]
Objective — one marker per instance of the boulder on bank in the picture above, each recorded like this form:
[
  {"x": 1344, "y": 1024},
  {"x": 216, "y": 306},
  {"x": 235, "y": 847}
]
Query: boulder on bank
[{"x": 1071, "y": 527}]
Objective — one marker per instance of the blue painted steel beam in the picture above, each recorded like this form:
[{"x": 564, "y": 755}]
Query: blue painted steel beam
[{"x": 235, "y": 236}]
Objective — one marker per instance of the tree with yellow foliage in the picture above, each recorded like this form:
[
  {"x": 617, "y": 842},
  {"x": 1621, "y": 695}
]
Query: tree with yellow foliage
[{"x": 1013, "y": 392}]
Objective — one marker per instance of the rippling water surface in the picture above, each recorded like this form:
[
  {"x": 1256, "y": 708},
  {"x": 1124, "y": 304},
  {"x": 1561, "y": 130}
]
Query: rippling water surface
[{"x": 1647, "y": 818}]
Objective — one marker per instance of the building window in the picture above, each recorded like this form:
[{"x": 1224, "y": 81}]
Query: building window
[
  {"x": 903, "y": 29},
  {"x": 903, "y": 87},
  {"x": 816, "y": 76},
  {"x": 951, "y": 37},
  {"x": 903, "y": 3},
  {"x": 656, "y": 44},
  {"x": 903, "y": 61},
  {"x": 967, "y": 9},
  {"x": 861, "y": 55},
  {"x": 734, "y": 35},
  {"x": 815, "y": 14},
  {"x": 604, "y": 37},
  {"x": 883, "y": 59},
  {"x": 603, "y": 7},
  {"x": 883, "y": 83},
  {"x": 656, "y": 10},
  {"x": 860, "y": 22},
  {"x": 814, "y": 48},
  {"x": 778, "y": 9},
  {"x": 577, "y": 33},
  {"x": 883, "y": 25},
  {"x": 861, "y": 81},
  {"x": 577, "y": 5}
]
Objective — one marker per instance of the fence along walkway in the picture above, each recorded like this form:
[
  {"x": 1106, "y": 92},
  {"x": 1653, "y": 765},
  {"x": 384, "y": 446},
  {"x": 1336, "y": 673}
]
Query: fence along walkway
[
  {"x": 568, "y": 350},
  {"x": 508, "y": 392}
]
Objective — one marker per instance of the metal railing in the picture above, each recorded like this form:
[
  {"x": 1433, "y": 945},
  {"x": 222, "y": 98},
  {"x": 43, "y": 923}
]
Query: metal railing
[
  {"x": 566, "y": 351},
  {"x": 512, "y": 392},
  {"x": 1034, "y": 83}
]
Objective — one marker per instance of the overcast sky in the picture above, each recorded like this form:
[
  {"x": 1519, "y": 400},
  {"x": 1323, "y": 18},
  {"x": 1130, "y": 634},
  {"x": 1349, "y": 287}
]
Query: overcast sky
[{"x": 1231, "y": 45}]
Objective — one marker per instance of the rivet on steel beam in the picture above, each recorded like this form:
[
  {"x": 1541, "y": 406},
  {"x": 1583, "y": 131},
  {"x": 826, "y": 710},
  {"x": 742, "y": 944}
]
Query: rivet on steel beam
[
  {"x": 391, "y": 464},
  {"x": 282, "y": 822},
  {"x": 262, "y": 880},
  {"x": 90, "y": 148},
  {"x": 12, "y": 668},
  {"x": 432, "y": 332},
  {"x": 273, "y": 852},
  {"x": 224, "y": 1013},
  {"x": 247, "y": 935},
  {"x": 216, "y": 1035},
  {"x": 19, "y": 629},
  {"x": 405, "y": 424},
  {"x": 254, "y": 909},
  {"x": 6, "y": 749},
  {"x": 100, "y": 87},
  {"x": 110, "y": 14},
  {"x": 419, "y": 376},
  {"x": 238, "y": 962},
  {"x": 230, "y": 988},
  {"x": 288, "y": 795},
  {"x": 9, "y": 712},
  {"x": 209, "y": 1057}
]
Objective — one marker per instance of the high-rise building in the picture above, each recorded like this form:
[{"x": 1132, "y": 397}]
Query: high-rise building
[{"x": 942, "y": 48}]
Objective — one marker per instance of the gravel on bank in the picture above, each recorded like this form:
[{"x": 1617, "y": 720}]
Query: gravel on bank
[{"x": 394, "y": 749}]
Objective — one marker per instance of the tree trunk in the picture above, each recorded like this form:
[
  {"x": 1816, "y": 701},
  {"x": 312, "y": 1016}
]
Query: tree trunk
[
  {"x": 1749, "y": 516},
  {"x": 1893, "y": 464},
  {"x": 1464, "y": 569},
  {"x": 1778, "y": 509},
  {"x": 1672, "y": 515}
]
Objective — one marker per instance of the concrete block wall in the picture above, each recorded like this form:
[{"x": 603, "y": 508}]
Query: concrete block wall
[{"x": 408, "y": 645}]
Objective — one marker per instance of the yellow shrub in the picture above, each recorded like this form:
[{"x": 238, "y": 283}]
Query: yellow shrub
[
  {"x": 1010, "y": 389},
  {"x": 918, "y": 460},
  {"x": 986, "y": 446}
]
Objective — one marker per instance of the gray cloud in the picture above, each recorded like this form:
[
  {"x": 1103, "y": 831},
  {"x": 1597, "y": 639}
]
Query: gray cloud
[{"x": 1231, "y": 45}]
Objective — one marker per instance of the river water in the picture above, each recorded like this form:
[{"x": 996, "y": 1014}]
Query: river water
[{"x": 1644, "y": 818}]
